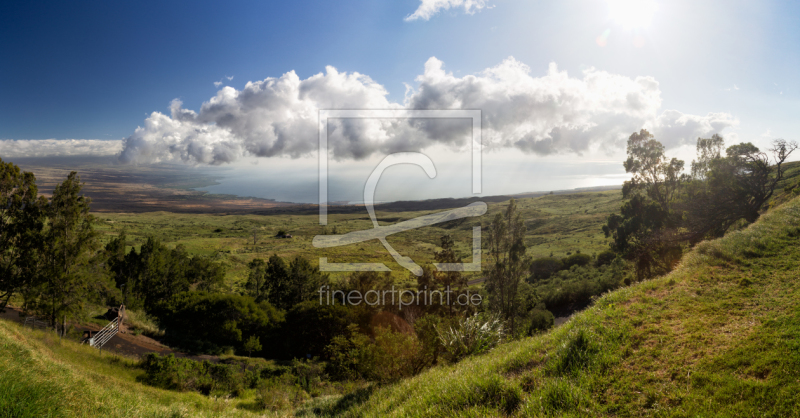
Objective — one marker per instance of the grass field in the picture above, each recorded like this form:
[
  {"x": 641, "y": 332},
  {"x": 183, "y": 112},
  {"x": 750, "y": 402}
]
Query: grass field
[
  {"x": 719, "y": 336},
  {"x": 556, "y": 224},
  {"x": 41, "y": 376}
]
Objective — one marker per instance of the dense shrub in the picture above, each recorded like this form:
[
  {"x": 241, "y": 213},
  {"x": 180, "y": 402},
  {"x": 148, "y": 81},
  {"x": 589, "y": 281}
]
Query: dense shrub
[
  {"x": 302, "y": 379},
  {"x": 605, "y": 258},
  {"x": 540, "y": 320},
  {"x": 170, "y": 372},
  {"x": 349, "y": 355},
  {"x": 543, "y": 268},
  {"x": 201, "y": 321},
  {"x": 577, "y": 260},
  {"x": 311, "y": 326},
  {"x": 388, "y": 357},
  {"x": 573, "y": 289}
]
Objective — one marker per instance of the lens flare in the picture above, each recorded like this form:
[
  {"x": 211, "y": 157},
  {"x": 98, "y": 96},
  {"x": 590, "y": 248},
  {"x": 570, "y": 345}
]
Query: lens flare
[
  {"x": 632, "y": 14},
  {"x": 602, "y": 40}
]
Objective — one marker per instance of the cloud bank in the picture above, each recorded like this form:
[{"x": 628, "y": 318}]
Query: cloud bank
[
  {"x": 24, "y": 148},
  {"x": 429, "y": 8},
  {"x": 552, "y": 113}
]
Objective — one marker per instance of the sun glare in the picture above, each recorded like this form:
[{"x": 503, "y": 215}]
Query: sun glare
[{"x": 632, "y": 14}]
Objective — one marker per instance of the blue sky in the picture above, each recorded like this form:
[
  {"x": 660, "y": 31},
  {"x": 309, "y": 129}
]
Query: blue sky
[{"x": 97, "y": 70}]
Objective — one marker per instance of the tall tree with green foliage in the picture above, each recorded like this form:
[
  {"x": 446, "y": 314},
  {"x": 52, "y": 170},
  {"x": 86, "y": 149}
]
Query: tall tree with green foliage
[
  {"x": 510, "y": 264},
  {"x": 282, "y": 284},
  {"x": 645, "y": 230},
  {"x": 70, "y": 273},
  {"x": 257, "y": 279},
  {"x": 452, "y": 280},
  {"x": 21, "y": 223}
]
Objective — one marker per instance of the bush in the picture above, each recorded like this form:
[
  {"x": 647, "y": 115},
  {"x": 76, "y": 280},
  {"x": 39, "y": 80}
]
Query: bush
[
  {"x": 395, "y": 355},
  {"x": 170, "y": 372},
  {"x": 425, "y": 328},
  {"x": 543, "y": 268},
  {"x": 573, "y": 289},
  {"x": 605, "y": 258},
  {"x": 541, "y": 320},
  {"x": 473, "y": 335},
  {"x": 309, "y": 375},
  {"x": 202, "y": 321},
  {"x": 577, "y": 260},
  {"x": 389, "y": 357},
  {"x": 311, "y": 326},
  {"x": 348, "y": 355}
]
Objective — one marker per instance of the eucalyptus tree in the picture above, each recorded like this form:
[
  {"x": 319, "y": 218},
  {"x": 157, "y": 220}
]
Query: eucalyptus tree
[{"x": 21, "y": 223}]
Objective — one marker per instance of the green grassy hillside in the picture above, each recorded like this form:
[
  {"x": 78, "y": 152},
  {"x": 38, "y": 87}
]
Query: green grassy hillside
[
  {"x": 41, "y": 376},
  {"x": 719, "y": 336}
]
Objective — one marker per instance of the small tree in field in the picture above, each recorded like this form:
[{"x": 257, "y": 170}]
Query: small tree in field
[
  {"x": 510, "y": 264},
  {"x": 252, "y": 344}
]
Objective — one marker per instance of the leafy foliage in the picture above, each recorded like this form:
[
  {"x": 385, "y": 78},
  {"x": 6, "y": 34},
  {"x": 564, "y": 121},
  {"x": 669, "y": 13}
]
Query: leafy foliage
[
  {"x": 284, "y": 285},
  {"x": 203, "y": 321},
  {"x": 21, "y": 223},
  {"x": 472, "y": 335},
  {"x": 507, "y": 251}
]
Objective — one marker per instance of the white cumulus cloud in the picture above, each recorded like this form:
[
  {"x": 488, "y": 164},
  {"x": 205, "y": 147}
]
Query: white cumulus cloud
[
  {"x": 429, "y": 8},
  {"x": 551, "y": 113},
  {"x": 559, "y": 113},
  {"x": 21, "y": 148}
]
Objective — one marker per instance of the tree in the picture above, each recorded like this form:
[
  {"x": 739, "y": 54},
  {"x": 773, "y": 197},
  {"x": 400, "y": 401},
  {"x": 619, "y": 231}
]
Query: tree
[
  {"x": 646, "y": 230},
  {"x": 278, "y": 284},
  {"x": 21, "y": 223},
  {"x": 310, "y": 327},
  {"x": 161, "y": 273},
  {"x": 305, "y": 280},
  {"x": 708, "y": 150},
  {"x": 651, "y": 172},
  {"x": 70, "y": 276},
  {"x": 281, "y": 284},
  {"x": 734, "y": 187},
  {"x": 507, "y": 250},
  {"x": 205, "y": 275},
  {"x": 449, "y": 279},
  {"x": 214, "y": 320},
  {"x": 122, "y": 269},
  {"x": 257, "y": 279},
  {"x": 252, "y": 344}
]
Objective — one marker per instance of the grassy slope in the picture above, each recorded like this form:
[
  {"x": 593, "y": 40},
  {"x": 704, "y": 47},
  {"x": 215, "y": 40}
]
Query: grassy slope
[
  {"x": 41, "y": 376},
  {"x": 720, "y": 336}
]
